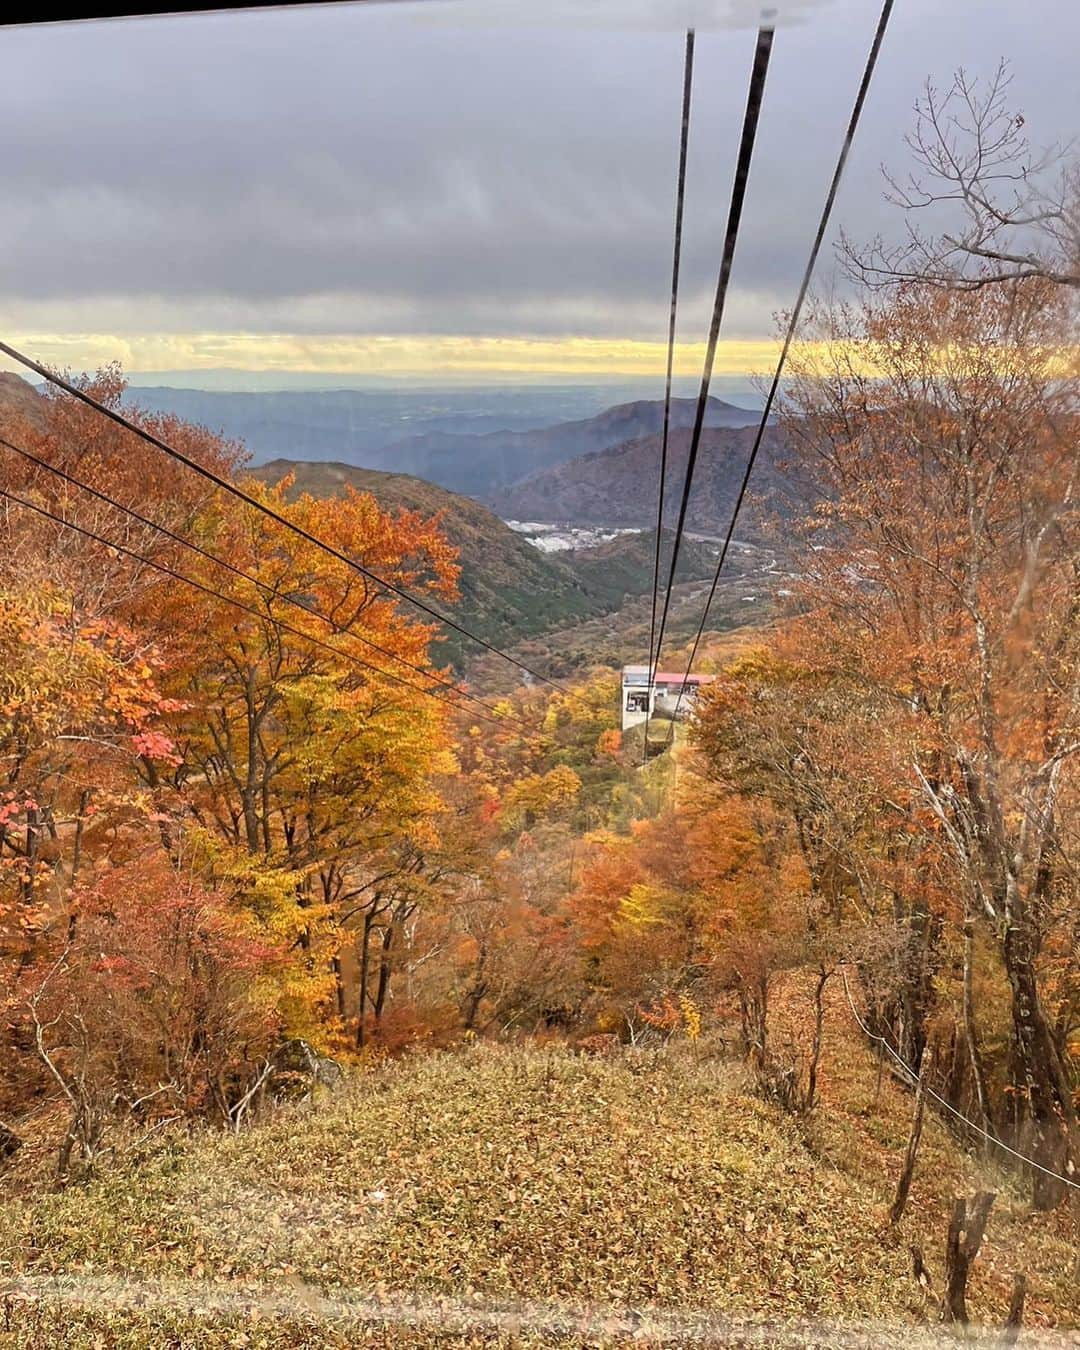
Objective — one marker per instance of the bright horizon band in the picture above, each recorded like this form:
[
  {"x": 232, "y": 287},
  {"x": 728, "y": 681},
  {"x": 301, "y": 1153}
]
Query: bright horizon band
[
  {"x": 397, "y": 355},
  {"x": 428, "y": 357}
]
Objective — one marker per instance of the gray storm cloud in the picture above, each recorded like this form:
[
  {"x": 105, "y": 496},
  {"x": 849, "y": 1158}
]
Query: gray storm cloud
[{"x": 373, "y": 170}]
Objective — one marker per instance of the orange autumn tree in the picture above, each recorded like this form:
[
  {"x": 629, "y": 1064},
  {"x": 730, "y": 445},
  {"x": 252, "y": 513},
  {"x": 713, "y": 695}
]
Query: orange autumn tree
[
  {"x": 523, "y": 790},
  {"x": 156, "y": 1001},
  {"x": 820, "y": 756},
  {"x": 76, "y": 439},
  {"x": 84, "y": 674},
  {"x": 931, "y": 738},
  {"x": 81, "y": 705},
  {"x": 83, "y": 697},
  {"x": 704, "y": 900},
  {"x": 308, "y": 749},
  {"x": 507, "y": 858}
]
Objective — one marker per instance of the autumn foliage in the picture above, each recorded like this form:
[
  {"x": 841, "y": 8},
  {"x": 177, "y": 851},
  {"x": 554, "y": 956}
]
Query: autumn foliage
[{"x": 198, "y": 794}]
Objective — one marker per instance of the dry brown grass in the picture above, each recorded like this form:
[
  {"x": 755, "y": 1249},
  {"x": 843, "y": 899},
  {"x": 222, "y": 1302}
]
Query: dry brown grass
[{"x": 519, "y": 1196}]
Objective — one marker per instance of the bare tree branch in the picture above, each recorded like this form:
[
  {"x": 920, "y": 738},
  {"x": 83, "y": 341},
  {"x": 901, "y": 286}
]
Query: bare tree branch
[{"x": 1010, "y": 213}]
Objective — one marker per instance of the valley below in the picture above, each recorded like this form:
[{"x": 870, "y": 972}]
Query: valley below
[
  {"x": 557, "y": 561},
  {"x": 577, "y": 593}
]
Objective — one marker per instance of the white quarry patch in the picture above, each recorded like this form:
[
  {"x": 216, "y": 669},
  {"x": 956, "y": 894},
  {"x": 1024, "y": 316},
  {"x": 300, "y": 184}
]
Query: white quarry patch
[{"x": 550, "y": 538}]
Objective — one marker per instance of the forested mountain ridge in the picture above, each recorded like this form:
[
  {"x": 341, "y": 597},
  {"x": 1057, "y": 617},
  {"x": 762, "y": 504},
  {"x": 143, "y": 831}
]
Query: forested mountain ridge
[
  {"x": 507, "y": 587},
  {"x": 617, "y": 485}
]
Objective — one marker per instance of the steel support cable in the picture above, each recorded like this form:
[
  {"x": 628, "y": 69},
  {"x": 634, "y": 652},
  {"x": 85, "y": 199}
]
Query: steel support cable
[
  {"x": 57, "y": 14},
  {"x": 914, "y": 1077},
  {"x": 758, "y": 72},
  {"x": 165, "y": 570},
  {"x": 219, "y": 481},
  {"x": 793, "y": 323},
  {"x": 310, "y": 610},
  {"x": 680, "y": 198}
]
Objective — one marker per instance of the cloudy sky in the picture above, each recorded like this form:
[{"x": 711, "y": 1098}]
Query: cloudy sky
[{"x": 430, "y": 188}]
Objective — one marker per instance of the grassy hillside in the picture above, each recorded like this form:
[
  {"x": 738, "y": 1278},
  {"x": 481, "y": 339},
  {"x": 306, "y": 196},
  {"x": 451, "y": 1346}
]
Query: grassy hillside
[
  {"x": 19, "y": 402},
  {"x": 531, "y": 1197}
]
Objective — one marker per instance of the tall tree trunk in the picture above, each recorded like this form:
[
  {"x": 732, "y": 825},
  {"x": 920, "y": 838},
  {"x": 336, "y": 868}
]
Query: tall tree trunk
[
  {"x": 1070, "y": 981},
  {"x": 815, "y": 1051},
  {"x": 916, "y": 993},
  {"x": 382, "y": 987},
  {"x": 971, "y": 1032},
  {"x": 339, "y": 987},
  {"x": 903, "y": 1185},
  {"x": 33, "y": 840},
  {"x": 249, "y": 794},
  {"x": 1050, "y": 1112},
  {"x": 966, "y": 1228},
  {"x": 365, "y": 961},
  {"x": 754, "y": 1008},
  {"x": 477, "y": 990}
]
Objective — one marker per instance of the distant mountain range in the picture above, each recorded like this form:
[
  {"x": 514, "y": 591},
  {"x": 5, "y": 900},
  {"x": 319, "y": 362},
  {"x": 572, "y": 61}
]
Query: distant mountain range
[
  {"x": 479, "y": 465},
  {"x": 354, "y": 426},
  {"x": 599, "y": 469},
  {"x": 475, "y": 444}
]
